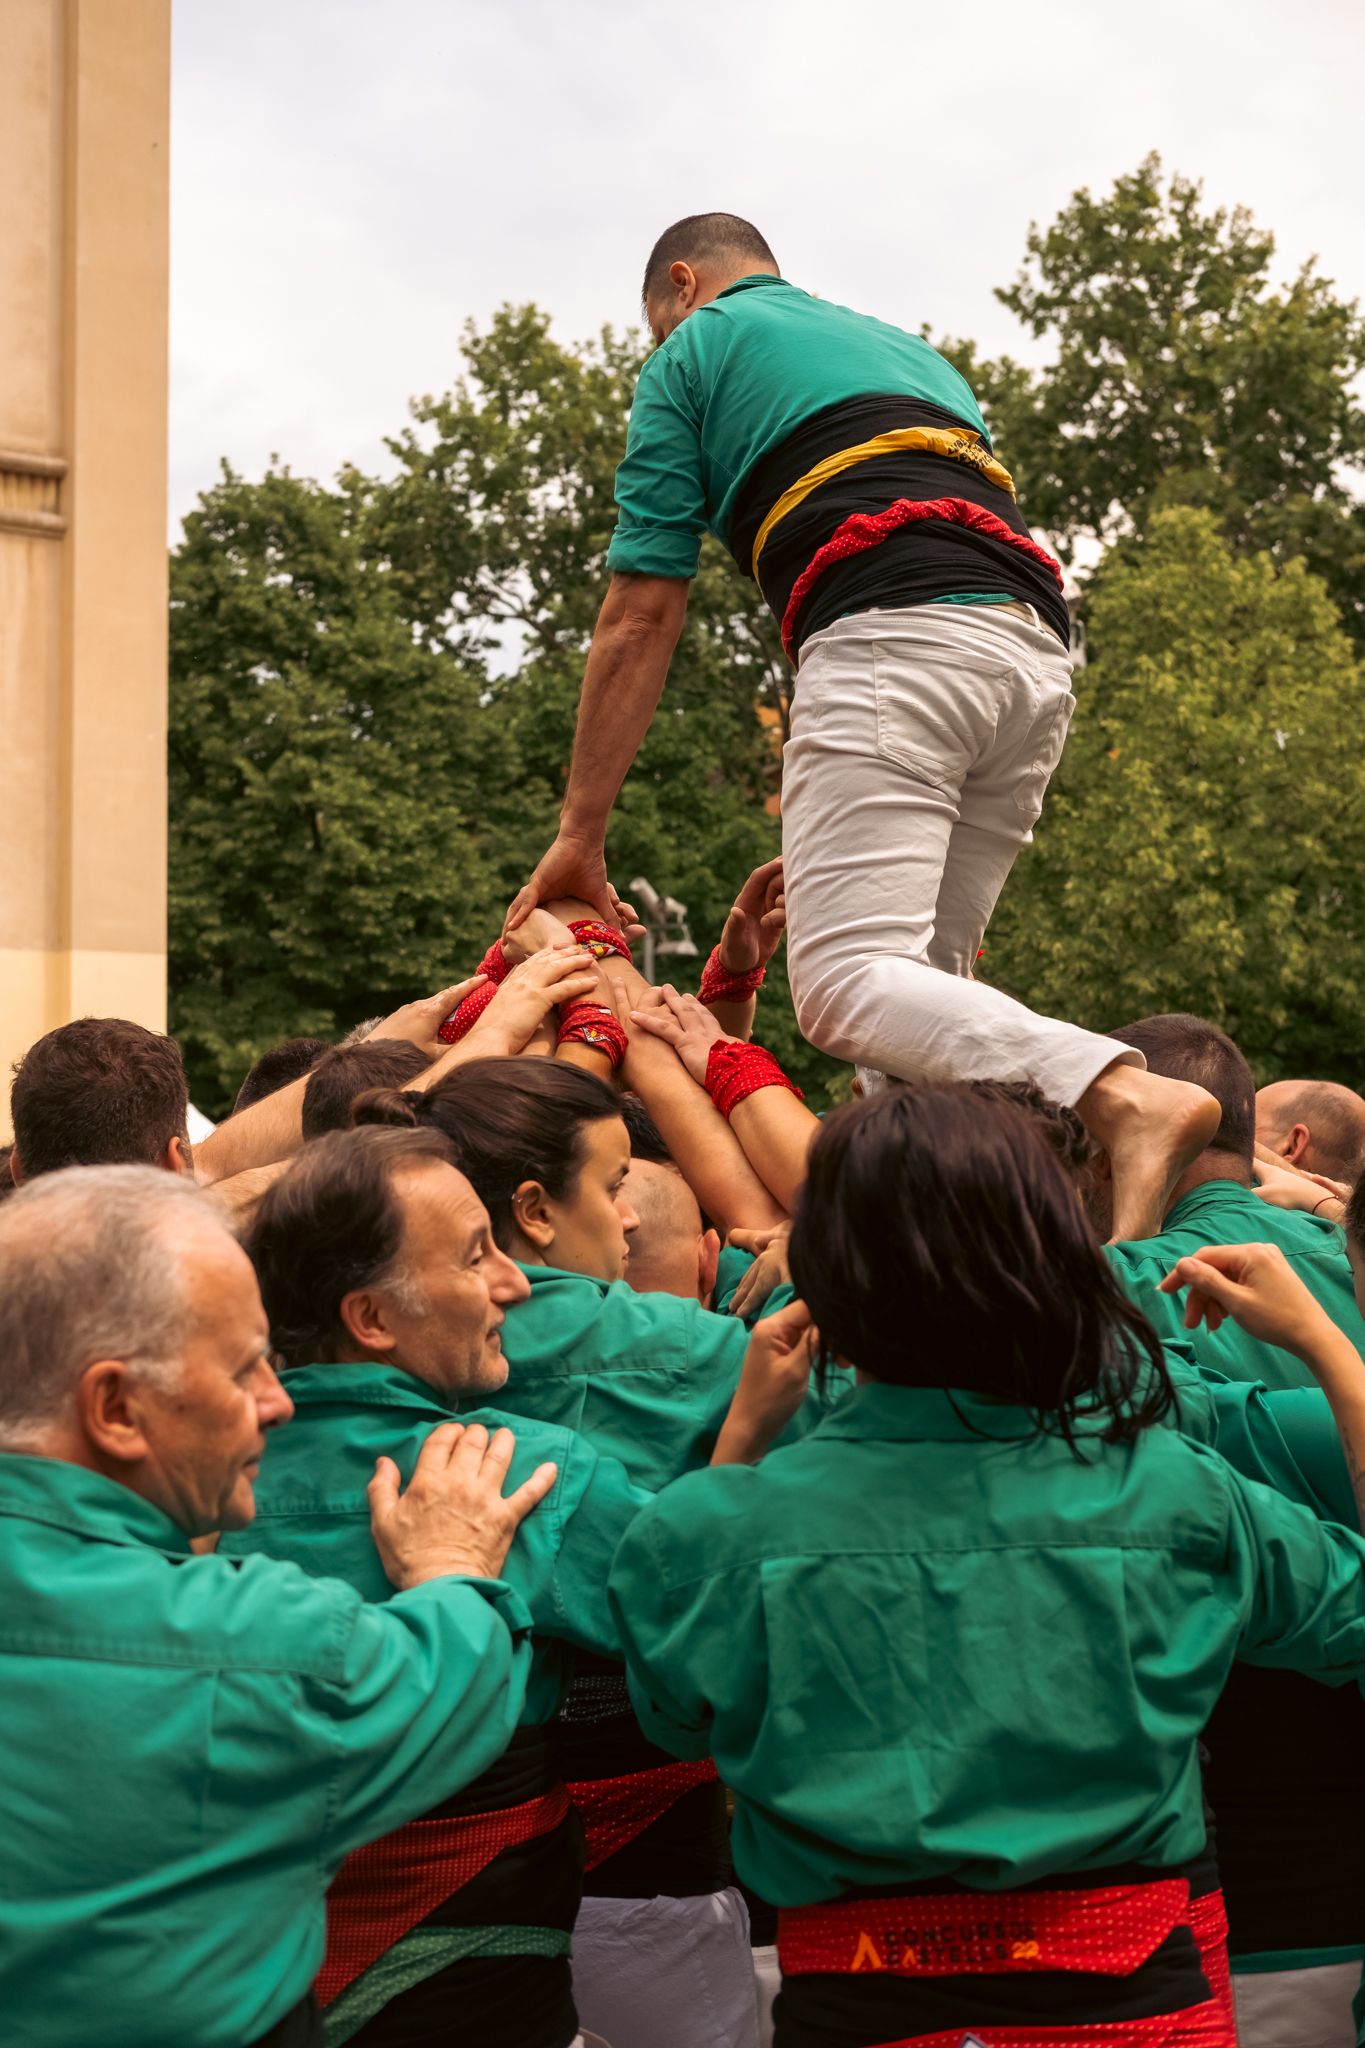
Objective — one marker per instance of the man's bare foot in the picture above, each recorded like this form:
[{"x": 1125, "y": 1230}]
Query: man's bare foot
[{"x": 1152, "y": 1128}]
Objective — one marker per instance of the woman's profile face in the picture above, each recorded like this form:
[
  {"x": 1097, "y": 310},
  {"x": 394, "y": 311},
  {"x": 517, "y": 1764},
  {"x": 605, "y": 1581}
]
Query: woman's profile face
[{"x": 593, "y": 1219}]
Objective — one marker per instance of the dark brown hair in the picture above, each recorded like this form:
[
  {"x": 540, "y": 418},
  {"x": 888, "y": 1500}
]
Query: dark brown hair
[
  {"x": 700, "y": 238},
  {"x": 1186, "y": 1048},
  {"x": 328, "y": 1225},
  {"x": 275, "y": 1069},
  {"x": 345, "y": 1071},
  {"x": 938, "y": 1242},
  {"x": 98, "y": 1092},
  {"x": 509, "y": 1121}
]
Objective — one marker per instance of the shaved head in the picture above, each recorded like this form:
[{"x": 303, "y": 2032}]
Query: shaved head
[
  {"x": 1316, "y": 1125},
  {"x": 667, "y": 1245},
  {"x": 696, "y": 259}
]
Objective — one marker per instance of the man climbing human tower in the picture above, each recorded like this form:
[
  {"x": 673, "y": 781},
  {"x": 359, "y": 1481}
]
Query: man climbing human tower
[{"x": 846, "y": 466}]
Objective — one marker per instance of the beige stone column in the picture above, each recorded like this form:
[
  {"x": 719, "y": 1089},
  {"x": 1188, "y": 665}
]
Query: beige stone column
[{"x": 84, "y": 142}]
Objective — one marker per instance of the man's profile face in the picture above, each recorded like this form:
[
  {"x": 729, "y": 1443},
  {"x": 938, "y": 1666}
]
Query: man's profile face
[
  {"x": 455, "y": 1285},
  {"x": 205, "y": 1433}
]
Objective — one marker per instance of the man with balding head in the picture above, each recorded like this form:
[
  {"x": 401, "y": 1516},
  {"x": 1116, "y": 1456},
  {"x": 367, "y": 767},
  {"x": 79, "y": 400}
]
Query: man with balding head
[
  {"x": 190, "y": 1747},
  {"x": 1317, "y": 1126}
]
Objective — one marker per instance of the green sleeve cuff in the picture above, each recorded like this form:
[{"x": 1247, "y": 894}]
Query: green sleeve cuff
[{"x": 653, "y": 551}]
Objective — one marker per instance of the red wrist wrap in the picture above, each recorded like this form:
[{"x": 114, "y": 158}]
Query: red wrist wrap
[
  {"x": 718, "y": 985},
  {"x": 735, "y": 1070},
  {"x": 592, "y": 1024},
  {"x": 494, "y": 965},
  {"x": 600, "y": 939}
]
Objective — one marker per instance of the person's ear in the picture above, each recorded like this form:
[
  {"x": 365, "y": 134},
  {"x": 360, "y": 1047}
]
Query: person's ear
[
  {"x": 532, "y": 1213},
  {"x": 1296, "y": 1144},
  {"x": 683, "y": 279},
  {"x": 179, "y": 1158},
  {"x": 708, "y": 1265},
  {"x": 111, "y": 1411},
  {"x": 16, "y": 1167},
  {"x": 362, "y": 1314}
]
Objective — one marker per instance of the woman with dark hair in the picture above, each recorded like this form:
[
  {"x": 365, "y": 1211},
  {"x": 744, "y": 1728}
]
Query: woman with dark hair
[
  {"x": 954, "y": 1650},
  {"x": 648, "y": 1379}
]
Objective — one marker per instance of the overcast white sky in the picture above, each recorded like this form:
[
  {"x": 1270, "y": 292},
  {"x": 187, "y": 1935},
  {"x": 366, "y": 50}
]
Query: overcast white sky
[{"x": 351, "y": 181}]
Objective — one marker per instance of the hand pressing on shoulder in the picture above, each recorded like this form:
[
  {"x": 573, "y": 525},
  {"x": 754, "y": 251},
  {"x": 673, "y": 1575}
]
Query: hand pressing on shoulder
[
  {"x": 453, "y": 1517},
  {"x": 683, "y": 1023},
  {"x": 1290, "y": 1187},
  {"x": 421, "y": 1021}
]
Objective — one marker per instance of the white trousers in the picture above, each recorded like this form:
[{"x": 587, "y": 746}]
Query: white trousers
[
  {"x": 921, "y": 745},
  {"x": 1297, "y": 2008},
  {"x": 666, "y": 1973}
]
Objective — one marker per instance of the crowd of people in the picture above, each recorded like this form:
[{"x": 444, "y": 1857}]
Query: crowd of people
[{"x": 529, "y": 1537}]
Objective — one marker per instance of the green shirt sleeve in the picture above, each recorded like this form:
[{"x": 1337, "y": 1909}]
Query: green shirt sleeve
[
  {"x": 1302, "y": 1585},
  {"x": 430, "y": 1692},
  {"x": 660, "y": 494},
  {"x": 598, "y": 1503},
  {"x": 678, "y": 1640},
  {"x": 1285, "y": 1437}
]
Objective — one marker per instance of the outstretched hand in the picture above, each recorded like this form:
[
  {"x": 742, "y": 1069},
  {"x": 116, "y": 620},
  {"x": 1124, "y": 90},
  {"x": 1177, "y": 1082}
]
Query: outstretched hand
[
  {"x": 574, "y": 867},
  {"x": 420, "y": 1022},
  {"x": 528, "y": 994},
  {"x": 683, "y": 1023},
  {"x": 1255, "y": 1285},
  {"x": 453, "y": 1517},
  {"x": 772, "y": 1385},
  {"x": 758, "y": 917}
]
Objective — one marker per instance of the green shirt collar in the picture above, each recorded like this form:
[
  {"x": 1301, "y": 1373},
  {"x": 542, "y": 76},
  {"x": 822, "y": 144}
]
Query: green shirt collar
[
  {"x": 369, "y": 1383},
  {"x": 67, "y": 1496},
  {"x": 1206, "y": 1199},
  {"x": 876, "y": 1410},
  {"x": 747, "y": 284}
]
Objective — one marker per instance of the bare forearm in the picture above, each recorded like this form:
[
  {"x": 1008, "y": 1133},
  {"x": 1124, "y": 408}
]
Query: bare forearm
[
  {"x": 270, "y": 1129},
  {"x": 627, "y": 666},
  {"x": 777, "y": 1132},
  {"x": 736, "y": 1018},
  {"x": 707, "y": 1152}
]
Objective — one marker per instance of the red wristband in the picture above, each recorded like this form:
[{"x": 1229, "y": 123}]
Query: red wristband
[
  {"x": 600, "y": 939},
  {"x": 494, "y": 965},
  {"x": 719, "y": 985},
  {"x": 735, "y": 1070},
  {"x": 593, "y": 1024}
]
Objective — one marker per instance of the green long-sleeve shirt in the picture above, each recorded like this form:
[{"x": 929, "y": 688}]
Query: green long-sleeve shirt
[
  {"x": 311, "y": 1506},
  {"x": 928, "y": 1643},
  {"x": 191, "y": 1746},
  {"x": 1221, "y": 1212},
  {"x": 647, "y": 1378}
]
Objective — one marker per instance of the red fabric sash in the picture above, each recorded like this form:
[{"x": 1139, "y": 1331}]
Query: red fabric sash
[
  {"x": 1111, "y": 1930},
  {"x": 1198, "y": 2026},
  {"x": 615, "y": 1810},
  {"x": 1208, "y": 1922},
  {"x": 862, "y": 530},
  {"x": 382, "y": 1891}
]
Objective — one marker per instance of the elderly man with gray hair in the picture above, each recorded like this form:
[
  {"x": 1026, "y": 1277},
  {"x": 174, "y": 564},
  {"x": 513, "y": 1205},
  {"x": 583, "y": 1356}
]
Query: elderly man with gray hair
[{"x": 192, "y": 1745}]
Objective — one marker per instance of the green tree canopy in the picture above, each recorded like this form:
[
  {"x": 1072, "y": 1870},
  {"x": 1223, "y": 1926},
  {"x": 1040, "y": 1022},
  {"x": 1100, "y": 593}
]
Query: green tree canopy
[
  {"x": 1203, "y": 846},
  {"x": 1181, "y": 375}
]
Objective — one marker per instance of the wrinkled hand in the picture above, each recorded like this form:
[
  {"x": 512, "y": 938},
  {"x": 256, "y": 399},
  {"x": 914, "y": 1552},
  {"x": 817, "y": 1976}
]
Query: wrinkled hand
[
  {"x": 683, "y": 1023},
  {"x": 419, "y": 1022},
  {"x": 753, "y": 930},
  {"x": 1255, "y": 1285},
  {"x": 771, "y": 1268},
  {"x": 772, "y": 1385},
  {"x": 574, "y": 867},
  {"x": 531, "y": 990},
  {"x": 453, "y": 1517}
]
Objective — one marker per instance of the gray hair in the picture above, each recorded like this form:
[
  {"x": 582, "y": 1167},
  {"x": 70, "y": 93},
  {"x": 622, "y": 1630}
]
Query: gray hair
[{"x": 90, "y": 1268}]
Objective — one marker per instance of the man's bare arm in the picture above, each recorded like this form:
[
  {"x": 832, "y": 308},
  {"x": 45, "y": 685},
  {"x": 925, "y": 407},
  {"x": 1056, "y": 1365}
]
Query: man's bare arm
[{"x": 632, "y": 644}]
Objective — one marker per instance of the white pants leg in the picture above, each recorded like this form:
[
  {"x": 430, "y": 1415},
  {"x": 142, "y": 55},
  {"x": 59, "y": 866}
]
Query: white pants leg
[
  {"x": 921, "y": 746},
  {"x": 666, "y": 1973},
  {"x": 1308, "y": 2008}
]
